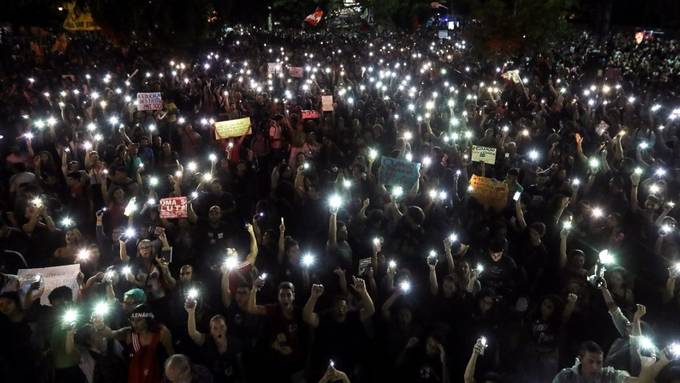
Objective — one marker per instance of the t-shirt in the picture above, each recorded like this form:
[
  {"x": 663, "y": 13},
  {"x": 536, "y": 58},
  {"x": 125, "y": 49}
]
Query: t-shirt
[
  {"x": 340, "y": 341},
  {"x": 289, "y": 332},
  {"x": 572, "y": 375},
  {"x": 224, "y": 367}
]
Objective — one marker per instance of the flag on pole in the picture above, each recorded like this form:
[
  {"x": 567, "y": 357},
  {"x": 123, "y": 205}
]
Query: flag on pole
[
  {"x": 436, "y": 4},
  {"x": 512, "y": 75},
  {"x": 314, "y": 18}
]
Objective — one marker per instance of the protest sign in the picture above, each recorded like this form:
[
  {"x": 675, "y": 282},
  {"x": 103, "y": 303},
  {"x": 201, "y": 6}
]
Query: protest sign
[
  {"x": 327, "y": 103},
  {"x": 273, "y": 68},
  {"x": 149, "y": 101},
  {"x": 296, "y": 71},
  {"x": 512, "y": 75},
  {"x": 483, "y": 154},
  {"x": 310, "y": 114},
  {"x": 489, "y": 192},
  {"x": 78, "y": 19},
  {"x": 52, "y": 277},
  {"x": 173, "y": 207},
  {"x": 443, "y": 34},
  {"x": 394, "y": 171},
  {"x": 232, "y": 128}
]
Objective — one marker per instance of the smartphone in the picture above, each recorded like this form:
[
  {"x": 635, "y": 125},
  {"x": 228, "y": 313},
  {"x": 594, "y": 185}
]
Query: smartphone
[
  {"x": 516, "y": 196},
  {"x": 166, "y": 256},
  {"x": 37, "y": 279}
]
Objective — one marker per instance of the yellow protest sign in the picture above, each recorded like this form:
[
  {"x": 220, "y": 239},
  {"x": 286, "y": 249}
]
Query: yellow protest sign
[
  {"x": 79, "y": 19},
  {"x": 232, "y": 128},
  {"x": 489, "y": 192}
]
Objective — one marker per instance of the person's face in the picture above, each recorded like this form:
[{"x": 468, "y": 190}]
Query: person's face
[
  {"x": 186, "y": 273},
  {"x": 579, "y": 261},
  {"x": 138, "y": 324},
  {"x": 449, "y": 287},
  {"x": 241, "y": 170},
  {"x": 534, "y": 237},
  {"x": 215, "y": 187},
  {"x": 342, "y": 233},
  {"x": 218, "y": 328},
  {"x": 267, "y": 238},
  {"x": 133, "y": 149},
  {"x": 294, "y": 254},
  {"x": 286, "y": 298},
  {"x": 242, "y": 294},
  {"x": 341, "y": 308},
  {"x": 7, "y": 306},
  {"x": 166, "y": 148},
  {"x": 71, "y": 237},
  {"x": 215, "y": 214},
  {"x": 145, "y": 249},
  {"x": 119, "y": 195},
  {"x": 651, "y": 204},
  {"x": 547, "y": 308},
  {"x": 485, "y": 304},
  {"x": 128, "y": 304},
  {"x": 615, "y": 279},
  {"x": 496, "y": 256},
  {"x": 405, "y": 317},
  {"x": 591, "y": 364},
  {"x": 431, "y": 346}
]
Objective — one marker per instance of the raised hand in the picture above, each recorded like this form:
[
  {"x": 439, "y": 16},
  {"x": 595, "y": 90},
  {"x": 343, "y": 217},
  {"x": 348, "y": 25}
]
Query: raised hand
[{"x": 317, "y": 290}]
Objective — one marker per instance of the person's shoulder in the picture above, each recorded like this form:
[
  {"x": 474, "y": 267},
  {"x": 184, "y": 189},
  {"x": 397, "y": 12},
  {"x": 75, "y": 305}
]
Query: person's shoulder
[{"x": 567, "y": 375}]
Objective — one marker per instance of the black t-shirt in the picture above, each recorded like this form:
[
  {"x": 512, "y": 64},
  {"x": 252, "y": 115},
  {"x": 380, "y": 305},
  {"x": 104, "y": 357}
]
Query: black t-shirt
[
  {"x": 422, "y": 368},
  {"x": 289, "y": 332},
  {"x": 340, "y": 341},
  {"x": 243, "y": 326},
  {"x": 225, "y": 367}
]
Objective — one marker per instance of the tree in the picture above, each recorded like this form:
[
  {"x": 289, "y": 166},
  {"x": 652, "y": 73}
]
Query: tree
[{"x": 503, "y": 27}]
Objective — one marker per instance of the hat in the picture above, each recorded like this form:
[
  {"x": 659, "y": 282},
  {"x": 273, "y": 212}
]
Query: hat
[
  {"x": 137, "y": 295},
  {"x": 142, "y": 311}
]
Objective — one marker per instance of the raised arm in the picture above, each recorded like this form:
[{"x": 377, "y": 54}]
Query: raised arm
[
  {"x": 520, "y": 215},
  {"x": 367, "y": 308},
  {"x": 281, "y": 253},
  {"x": 332, "y": 228},
  {"x": 308, "y": 315},
  {"x": 253, "y": 308},
  {"x": 434, "y": 284},
  {"x": 564, "y": 235},
  {"x": 196, "y": 336},
  {"x": 252, "y": 252},
  {"x": 226, "y": 292},
  {"x": 477, "y": 350}
]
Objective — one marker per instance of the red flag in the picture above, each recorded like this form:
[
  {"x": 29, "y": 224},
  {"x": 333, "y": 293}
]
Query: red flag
[
  {"x": 436, "y": 4},
  {"x": 315, "y": 17}
]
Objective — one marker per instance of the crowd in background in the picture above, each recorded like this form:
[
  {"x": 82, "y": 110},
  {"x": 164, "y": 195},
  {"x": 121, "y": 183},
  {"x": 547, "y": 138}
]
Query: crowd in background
[{"x": 296, "y": 260}]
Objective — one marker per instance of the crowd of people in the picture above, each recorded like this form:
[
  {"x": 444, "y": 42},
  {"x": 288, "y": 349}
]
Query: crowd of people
[{"x": 298, "y": 256}]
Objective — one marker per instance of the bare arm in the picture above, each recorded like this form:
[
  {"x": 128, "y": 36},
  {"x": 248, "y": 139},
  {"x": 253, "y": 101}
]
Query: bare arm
[
  {"x": 226, "y": 292},
  {"x": 520, "y": 215},
  {"x": 196, "y": 336},
  {"x": 434, "y": 285},
  {"x": 308, "y": 315},
  {"x": 252, "y": 253},
  {"x": 564, "y": 234},
  {"x": 367, "y": 307},
  {"x": 253, "y": 308},
  {"x": 166, "y": 340},
  {"x": 332, "y": 229}
]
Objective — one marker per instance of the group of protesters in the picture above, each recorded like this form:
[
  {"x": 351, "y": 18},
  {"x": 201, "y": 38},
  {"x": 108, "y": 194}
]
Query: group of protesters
[{"x": 339, "y": 206}]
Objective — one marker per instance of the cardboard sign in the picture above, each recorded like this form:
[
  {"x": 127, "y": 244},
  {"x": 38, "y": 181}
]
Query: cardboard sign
[
  {"x": 327, "y": 103},
  {"x": 443, "y": 34},
  {"x": 149, "y": 101},
  {"x": 489, "y": 192},
  {"x": 273, "y": 68},
  {"x": 78, "y": 19},
  {"x": 232, "y": 128},
  {"x": 296, "y": 71},
  {"x": 173, "y": 207},
  {"x": 483, "y": 154},
  {"x": 52, "y": 277},
  {"x": 394, "y": 171},
  {"x": 310, "y": 115}
]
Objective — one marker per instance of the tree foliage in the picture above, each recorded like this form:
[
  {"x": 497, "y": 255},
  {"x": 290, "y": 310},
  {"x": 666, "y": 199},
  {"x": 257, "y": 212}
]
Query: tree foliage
[{"x": 508, "y": 26}]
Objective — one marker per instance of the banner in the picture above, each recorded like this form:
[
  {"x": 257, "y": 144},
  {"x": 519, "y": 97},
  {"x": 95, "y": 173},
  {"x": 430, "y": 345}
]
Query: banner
[
  {"x": 483, "y": 154},
  {"x": 52, "y": 277},
  {"x": 512, "y": 75},
  {"x": 149, "y": 101},
  {"x": 296, "y": 71},
  {"x": 314, "y": 18},
  {"x": 327, "y": 103},
  {"x": 489, "y": 192},
  {"x": 273, "y": 68},
  {"x": 232, "y": 128},
  {"x": 394, "y": 171},
  {"x": 78, "y": 19},
  {"x": 173, "y": 207},
  {"x": 310, "y": 115}
]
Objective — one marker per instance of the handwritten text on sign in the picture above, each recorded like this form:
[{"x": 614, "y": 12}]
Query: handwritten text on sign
[
  {"x": 327, "y": 103},
  {"x": 149, "y": 101},
  {"x": 489, "y": 192},
  {"x": 483, "y": 154},
  {"x": 52, "y": 277},
  {"x": 310, "y": 114},
  {"x": 232, "y": 128},
  {"x": 173, "y": 207},
  {"x": 394, "y": 171},
  {"x": 296, "y": 71}
]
